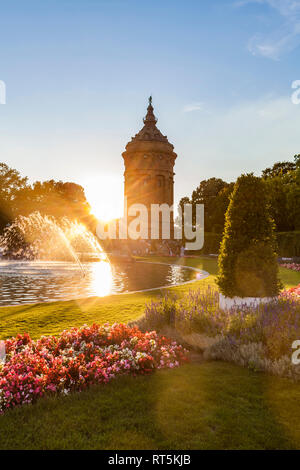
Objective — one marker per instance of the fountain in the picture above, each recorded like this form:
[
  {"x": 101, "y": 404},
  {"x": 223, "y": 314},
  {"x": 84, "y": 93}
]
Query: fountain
[
  {"x": 41, "y": 237},
  {"x": 43, "y": 260}
]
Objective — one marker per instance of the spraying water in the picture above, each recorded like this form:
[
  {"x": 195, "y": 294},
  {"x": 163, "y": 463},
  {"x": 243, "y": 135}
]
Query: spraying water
[
  {"x": 43, "y": 260},
  {"x": 40, "y": 237}
]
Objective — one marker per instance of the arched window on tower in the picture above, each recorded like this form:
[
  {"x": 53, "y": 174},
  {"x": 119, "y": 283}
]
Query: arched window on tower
[
  {"x": 144, "y": 181},
  {"x": 160, "y": 181}
]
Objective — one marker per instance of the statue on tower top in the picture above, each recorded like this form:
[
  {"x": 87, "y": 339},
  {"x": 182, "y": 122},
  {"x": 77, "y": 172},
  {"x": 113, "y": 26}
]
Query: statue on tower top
[{"x": 150, "y": 119}]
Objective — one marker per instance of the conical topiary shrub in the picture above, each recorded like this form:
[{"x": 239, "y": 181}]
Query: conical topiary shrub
[{"x": 248, "y": 262}]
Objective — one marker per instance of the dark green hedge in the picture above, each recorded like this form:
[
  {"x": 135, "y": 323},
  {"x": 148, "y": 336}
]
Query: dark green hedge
[
  {"x": 211, "y": 244},
  {"x": 288, "y": 244}
]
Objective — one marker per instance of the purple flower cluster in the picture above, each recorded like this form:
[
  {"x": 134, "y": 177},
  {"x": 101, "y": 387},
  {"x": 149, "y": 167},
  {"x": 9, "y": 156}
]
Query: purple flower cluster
[{"x": 275, "y": 325}]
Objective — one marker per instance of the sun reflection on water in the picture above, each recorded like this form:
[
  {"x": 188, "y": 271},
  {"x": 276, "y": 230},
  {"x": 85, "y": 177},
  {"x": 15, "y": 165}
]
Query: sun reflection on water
[
  {"x": 23, "y": 282},
  {"x": 101, "y": 278}
]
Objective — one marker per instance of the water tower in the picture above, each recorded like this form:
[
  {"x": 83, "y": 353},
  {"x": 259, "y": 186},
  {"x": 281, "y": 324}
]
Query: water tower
[{"x": 149, "y": 161}]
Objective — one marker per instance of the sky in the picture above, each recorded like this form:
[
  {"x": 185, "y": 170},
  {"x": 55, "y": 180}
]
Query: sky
[{"x": 78, "y": 74}]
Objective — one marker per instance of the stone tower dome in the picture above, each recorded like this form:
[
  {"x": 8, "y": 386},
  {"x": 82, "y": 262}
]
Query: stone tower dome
[{"x": 149, "y": 161}]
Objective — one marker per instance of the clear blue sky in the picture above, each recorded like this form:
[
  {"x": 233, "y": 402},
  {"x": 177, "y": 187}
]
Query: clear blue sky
[{"x": 78, "y": 74}]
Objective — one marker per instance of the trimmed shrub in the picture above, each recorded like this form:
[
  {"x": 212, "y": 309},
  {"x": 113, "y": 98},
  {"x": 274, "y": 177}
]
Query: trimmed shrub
[{"x": 248, "y": 261}]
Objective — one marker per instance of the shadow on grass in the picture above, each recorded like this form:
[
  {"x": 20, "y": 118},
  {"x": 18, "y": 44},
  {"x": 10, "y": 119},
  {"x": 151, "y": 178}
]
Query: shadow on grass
[{"x": 198, "y": 406}]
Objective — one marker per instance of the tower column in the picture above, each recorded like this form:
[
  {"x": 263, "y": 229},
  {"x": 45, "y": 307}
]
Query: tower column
[{"x": 149, "y": 160}]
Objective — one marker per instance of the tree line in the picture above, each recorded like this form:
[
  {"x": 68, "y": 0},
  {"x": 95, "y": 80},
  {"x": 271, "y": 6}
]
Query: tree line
[
  {"x": 282, "y": 187},
  {"x": 54, "y": 198},
  {"x": 59, "y": 199}
]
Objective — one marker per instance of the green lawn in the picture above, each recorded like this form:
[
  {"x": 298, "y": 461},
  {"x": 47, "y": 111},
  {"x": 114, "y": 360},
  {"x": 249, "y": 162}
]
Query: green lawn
[
  {"x": 289, "y": 278},
  {"x": 210, "y": 405}
]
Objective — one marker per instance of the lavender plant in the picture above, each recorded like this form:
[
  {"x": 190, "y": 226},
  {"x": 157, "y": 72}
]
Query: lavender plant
[{"x": 259, "y": 338}]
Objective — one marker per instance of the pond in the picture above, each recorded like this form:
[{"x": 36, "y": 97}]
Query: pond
[{"x": 24, "y": 282}]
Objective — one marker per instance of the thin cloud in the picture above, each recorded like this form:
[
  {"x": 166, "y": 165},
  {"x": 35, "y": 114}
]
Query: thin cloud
[
  {"x": 242, "y": 3},
  {"x": 193, "y": 107},
  {"x": 284, "y": 39},
  {"x": 248, "y": 136}
]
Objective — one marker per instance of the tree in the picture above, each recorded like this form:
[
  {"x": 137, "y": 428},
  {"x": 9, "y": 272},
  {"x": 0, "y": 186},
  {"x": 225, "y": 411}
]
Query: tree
[
  {"x": 218, "y": 208},
  {"x": 248, "y": 262},
  {"x": 279, "y": 169},
  {"x": 297, "y": 160},
  {"x": 11, "y": 183},
  {"x": 277, "y": 189},
  {"x": 179, "y": 222},
  {"x": 293, "y": 200},
  {"x": 207, "y": 193},
  {"x": 282, "y": 187},
  {"x": 54, "y": 198}
]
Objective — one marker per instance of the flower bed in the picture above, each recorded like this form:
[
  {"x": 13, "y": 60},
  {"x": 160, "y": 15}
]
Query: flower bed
[
  {"x": 80, "y": 358},
  {"x": 259, "y": 338},
  {"x": 292, "y": 266},
  {"x": 293, "y": 293}
]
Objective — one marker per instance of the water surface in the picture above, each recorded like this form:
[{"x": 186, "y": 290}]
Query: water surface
[{"x": 23, "y": 282}]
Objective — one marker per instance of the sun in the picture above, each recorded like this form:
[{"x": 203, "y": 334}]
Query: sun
[{"x": 104, "y": 193}]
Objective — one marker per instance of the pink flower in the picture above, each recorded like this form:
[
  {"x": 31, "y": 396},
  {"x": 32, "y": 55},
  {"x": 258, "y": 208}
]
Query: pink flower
[{"x": 79, "y": 358}]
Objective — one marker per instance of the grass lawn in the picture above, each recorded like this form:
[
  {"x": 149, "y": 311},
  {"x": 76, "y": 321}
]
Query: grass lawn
[
  {"x": 289, "y": 278},
  {"x": 210, "y": 405}
]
